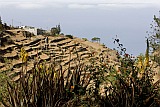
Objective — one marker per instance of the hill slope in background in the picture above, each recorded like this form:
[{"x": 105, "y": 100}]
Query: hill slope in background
[
  {"x": 61, "y": 49},
  {"x": 76, "y": 66}
]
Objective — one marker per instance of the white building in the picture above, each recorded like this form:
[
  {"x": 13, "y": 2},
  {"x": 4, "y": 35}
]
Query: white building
[{"x": 30, "y": 29}]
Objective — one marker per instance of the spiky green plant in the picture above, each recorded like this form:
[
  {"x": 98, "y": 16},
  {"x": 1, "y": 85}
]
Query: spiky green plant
[{"x": 47, "y": 86}]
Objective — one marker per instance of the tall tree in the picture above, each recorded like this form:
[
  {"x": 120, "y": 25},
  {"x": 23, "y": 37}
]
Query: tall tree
[
  {"x": 154, "y": 39},
  {"x": 155, "y": 34},
  {"x": 56, "y": 30}
]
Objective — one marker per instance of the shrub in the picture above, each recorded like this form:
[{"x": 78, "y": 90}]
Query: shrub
[
  {"x": 154, "y": 39},
  {"x": 69, "y": 36},
  {"x": 131, "y": 88},
  {"x": 85, "y": 39}
]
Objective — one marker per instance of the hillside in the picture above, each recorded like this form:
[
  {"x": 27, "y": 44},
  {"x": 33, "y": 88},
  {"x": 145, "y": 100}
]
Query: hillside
[
  {"x": 74, "y": 70},
  {"x": 61, "y": 50}
]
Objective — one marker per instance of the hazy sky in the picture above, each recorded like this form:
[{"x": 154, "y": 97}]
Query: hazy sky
[{"x": 129, "y": 19}]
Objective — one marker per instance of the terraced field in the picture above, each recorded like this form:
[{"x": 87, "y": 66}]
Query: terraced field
[{"x": 61, "y": 50}]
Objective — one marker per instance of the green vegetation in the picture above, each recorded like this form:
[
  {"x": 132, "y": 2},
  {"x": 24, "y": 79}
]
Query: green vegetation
[
  {"x": 69, "y": 36},
  {"x": 1, "y": 25},
  {"x": 56, "y": 30},
  {"x": 96, "y": 39},
  {"x": 3, "y": 84},
  {"x": 136, "y": 80},
  {"x": 85, "y": 39},
  {"x": 154, "y": 39}
]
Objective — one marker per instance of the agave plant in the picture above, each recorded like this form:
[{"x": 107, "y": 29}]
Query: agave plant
[{"x": 47, "y": 86}]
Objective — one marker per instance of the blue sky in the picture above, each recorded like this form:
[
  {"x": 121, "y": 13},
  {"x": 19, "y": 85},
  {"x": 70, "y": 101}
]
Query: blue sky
[{"x": 129, "y": 19}]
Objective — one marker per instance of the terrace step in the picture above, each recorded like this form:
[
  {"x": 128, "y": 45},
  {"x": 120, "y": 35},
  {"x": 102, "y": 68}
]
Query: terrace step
[
  {"x": 44, "y": 57},
  {"x": 15, "y": 74},
  {"x": 12, "y": 55},
  {"x": 32, "y": 42},
  {"x": 2, "y": 65}
]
